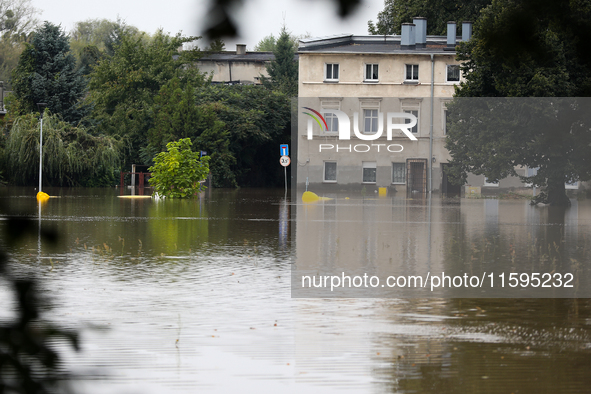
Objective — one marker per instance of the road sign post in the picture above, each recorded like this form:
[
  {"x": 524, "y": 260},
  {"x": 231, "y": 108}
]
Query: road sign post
[{"x": 284, "y": 161}]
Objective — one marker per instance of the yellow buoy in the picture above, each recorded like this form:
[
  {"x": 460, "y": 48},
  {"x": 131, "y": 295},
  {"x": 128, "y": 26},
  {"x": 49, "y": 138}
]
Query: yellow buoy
[
  {"x": 42, "y": 197},
  {"x": 308, "y": 197}
]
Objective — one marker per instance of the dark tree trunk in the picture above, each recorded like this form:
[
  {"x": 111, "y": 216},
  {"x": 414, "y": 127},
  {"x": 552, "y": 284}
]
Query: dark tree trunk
[
  {"x": 554, "y": 195},
  {"x": 557, "y": 194}
]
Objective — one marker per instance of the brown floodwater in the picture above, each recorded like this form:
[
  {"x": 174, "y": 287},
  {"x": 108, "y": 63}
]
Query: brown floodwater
[{"x": 196, "y": 296}]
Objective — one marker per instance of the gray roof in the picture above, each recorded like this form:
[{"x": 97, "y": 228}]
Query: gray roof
[
  {"x": 230, "y": 56},
  {"x": 372, "y": 44}
]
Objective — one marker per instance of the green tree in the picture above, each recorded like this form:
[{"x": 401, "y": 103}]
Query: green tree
[
  {"x": 527, "y": 48},
  {"x": 437, "y": 12},
  {"x": 94, "y": 39},
  {"x": 268, "y": 43},
  {"x": 283, "y": 70},
  {"x": 71, "y": 155},
  {"x": 177, "y": 115},
  {"x": 257, "y": 120},
  {"x": 178, "y": 172},
  {"x": 123, "y": 87},
  {"x": 46, "y": 73},
  {"x": 17, "y": 17}
]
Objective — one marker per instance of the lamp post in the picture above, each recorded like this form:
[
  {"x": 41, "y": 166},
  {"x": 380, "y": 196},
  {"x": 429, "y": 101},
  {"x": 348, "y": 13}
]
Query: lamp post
[{"x": 41, "y": 107}]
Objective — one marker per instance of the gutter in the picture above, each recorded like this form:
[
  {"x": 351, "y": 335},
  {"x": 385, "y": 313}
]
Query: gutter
[{"x": 431, "y": 125}]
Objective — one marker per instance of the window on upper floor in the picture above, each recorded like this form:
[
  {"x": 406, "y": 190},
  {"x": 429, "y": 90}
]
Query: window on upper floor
[
  {"x": 412, "y": 72},
  {"x": 331, "y": 121},
  {"x": 453, "y": 73},
  {"x": 371, "y": 72},
  {"x": 331, "y": 72},
  {"x": 415, "y": 129},
  {"x": 370, "y": 120}
]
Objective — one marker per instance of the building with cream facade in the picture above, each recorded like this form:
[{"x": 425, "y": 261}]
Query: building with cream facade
[{"x": 374, "y": 76}]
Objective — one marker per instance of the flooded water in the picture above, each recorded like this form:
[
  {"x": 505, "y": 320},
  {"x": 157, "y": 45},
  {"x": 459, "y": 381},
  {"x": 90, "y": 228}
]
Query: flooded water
[{"x": 195, "y": 296}]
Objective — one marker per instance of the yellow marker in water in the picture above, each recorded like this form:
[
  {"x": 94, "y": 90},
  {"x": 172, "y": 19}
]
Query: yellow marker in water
[
  {"x": 308, "y": 197},
  {"x": 42, "y": 196}
]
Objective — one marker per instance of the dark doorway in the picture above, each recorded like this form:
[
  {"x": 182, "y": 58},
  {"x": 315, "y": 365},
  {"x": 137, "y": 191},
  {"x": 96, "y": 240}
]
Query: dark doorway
[
  {"x": 448, "y": 189},
  {"x": 417, "y": 175}
]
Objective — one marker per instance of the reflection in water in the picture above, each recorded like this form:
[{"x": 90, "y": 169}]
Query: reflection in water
[
  {"x": 190, "y": 296},
  {"x": 394, "y": 237}
]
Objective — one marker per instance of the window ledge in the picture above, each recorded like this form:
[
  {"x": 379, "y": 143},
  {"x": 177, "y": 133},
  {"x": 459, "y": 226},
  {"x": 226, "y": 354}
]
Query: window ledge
[
  {"x": 411, "y": 82},
  {"x": 371, "y": 81},
  {"x": 331, "y": 81}
]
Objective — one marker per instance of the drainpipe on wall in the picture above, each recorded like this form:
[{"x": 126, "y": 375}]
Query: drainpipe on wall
[{"x": 431, "y": 125}]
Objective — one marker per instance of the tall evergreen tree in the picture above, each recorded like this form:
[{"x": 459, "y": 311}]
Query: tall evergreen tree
[
  {"x": 46, "y": 73},
  {"x": 283, "y": 70}
]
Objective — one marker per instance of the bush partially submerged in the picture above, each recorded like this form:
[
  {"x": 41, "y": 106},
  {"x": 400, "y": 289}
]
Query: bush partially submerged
[{"x": 178, "y": 173}]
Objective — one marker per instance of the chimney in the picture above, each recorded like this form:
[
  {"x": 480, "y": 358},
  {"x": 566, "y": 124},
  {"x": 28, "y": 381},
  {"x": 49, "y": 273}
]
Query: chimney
[
  {"x": 451, "y": 34},
  {"x": 407, "y": 40},
  {"x": 420, "y": 31},
  {"x": 466, "y": 31},
  {"x": 241, "y": 49}
]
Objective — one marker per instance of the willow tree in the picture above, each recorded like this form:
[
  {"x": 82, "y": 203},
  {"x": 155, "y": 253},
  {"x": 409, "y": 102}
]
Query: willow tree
[{"x": 71, "y": 156}]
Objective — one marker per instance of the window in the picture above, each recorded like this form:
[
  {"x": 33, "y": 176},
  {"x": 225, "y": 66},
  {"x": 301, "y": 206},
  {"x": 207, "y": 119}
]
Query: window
[
  {"x": 369, "y": 172},
  {"x": 332, "y": 122},
  {"x": 412, "y": 72},
  {"x": 490, "y": 184},
  {"x": 332, "y": 72},
  {"x": 571, "y": 185},
  {"x": 399, "y": 173},
  {"x": 444, "y": 122},
  {"x": 453, "y": 73},
  {"x": 415, "y": 129},
  {"x": 371, "y": 72},
  {"x": 370, "y": 120},
  {"x": 330, "y": 171}
]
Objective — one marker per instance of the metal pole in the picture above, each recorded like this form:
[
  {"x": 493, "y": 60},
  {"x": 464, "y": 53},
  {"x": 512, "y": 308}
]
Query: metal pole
[
  {"x": 41, "y": 107},
  {"x": 285, "y": 173},
  {"x": 41, "y": 152},
  {"x": 431, "y": 126}
]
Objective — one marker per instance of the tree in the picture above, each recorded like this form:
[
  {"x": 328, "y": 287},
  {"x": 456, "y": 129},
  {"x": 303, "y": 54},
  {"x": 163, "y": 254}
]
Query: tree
[
  {"x": 17, "y": 20},
  {"x": 71, "y": 155},
  {"x": 178, "y": 172},
  {"x": 268, "y": 43},
  {"x": 17, "y": 17},
  {"x": 256, "y": 120},
  {"x": 177, "y": 116},
  {"x": 123, "y": 87},
  {"x": 94, "y": 39},
  {"x": 437, "y": 12},
  {"x": 527, "y": 48},
  {"x": 46, "y": 73},
  {"x": 283, "y": 69}
]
